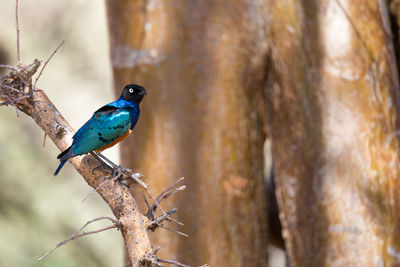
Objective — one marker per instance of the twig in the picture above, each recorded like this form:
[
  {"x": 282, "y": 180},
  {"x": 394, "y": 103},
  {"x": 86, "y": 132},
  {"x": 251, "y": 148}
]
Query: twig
[
  {"x": 8, "y": 67},
  {"x": 10, "y": 87},
  {"x": 175, "y": 221},
  {"x": 174, "y": 262},
  {"x": 17, "y": 27},
  {"x": 10, "y": 101},
  {"x": 154, "y": 260},
  {"x": 13, "y": 101},
  {"x": 166, "y": 215},
  {"x": 127, "y": 174},
  {"x": 153, "y": 224},
  {"x": 164, "y": 195},
  {"x": 146, "y": 202},
  {"x": 44, "y": 139},
  {"x": 169, "y": 188},
  {"x": 172, "y": 230},
  {"x": 77, "y": 235},
  {"x": 45, "y": 64},
  {"x": 151, "y": 196},
  {"x": 181, "y": 188}
]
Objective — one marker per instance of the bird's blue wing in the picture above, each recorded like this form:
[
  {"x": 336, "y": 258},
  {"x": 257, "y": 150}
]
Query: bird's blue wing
[
  {"x": 104, "y": 110},
  {"x": 106, "y": 125}
]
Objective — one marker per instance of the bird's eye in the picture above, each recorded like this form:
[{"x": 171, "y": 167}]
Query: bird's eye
[{"x": 130, "y": 90}]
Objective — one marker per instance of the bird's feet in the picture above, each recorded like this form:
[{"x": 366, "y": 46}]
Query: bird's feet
[
  {"x": 120, "y": 173},
  {"x": 126, "y": 176}
]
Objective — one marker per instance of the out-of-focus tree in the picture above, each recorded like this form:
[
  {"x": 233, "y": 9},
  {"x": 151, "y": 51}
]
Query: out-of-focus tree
[
  {"x": 203, "y": 64},
  {"x": 333, "y": 102}
]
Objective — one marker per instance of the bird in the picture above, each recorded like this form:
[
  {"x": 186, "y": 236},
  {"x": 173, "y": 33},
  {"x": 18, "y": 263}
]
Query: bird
[{"x": 108, "y": 126}]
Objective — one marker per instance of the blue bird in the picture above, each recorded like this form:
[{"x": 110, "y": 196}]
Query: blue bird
[{"x": 109, "y": 125}]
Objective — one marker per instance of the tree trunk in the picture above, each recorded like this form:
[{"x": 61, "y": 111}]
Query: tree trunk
[
  {"x": 333, "y": 107},
  {"x": 203, "y": 64}
]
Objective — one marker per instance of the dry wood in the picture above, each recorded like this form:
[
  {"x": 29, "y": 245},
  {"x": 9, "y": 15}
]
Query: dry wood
[{"x": 116, "y": 195}]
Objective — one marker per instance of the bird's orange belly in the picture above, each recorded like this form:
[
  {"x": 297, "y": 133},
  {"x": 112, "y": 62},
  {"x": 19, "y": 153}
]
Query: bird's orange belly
[{"x": 116, "y": 141}]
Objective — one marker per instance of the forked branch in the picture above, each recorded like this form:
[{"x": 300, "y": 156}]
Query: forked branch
[{"x": 78, "y": 234}]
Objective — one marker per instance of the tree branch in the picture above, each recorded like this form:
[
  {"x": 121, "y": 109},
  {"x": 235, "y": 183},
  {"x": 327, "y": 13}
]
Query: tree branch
[
  {"x": 77, "y": 234},
  {"x": 115, "y": 194},
  {"x": 17, "y": 27},
  {"x": 47, "y": 61}
]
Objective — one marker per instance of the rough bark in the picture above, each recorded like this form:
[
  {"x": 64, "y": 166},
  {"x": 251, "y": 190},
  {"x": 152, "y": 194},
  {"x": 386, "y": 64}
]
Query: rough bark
[
  {"x": 333, "y": 107},
  {"x": 203, "y": 64},
  {"x": 117, "y": 196}
]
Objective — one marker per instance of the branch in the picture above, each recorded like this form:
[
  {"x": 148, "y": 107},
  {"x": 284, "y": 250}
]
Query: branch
[
  {"x": 154, "y": 260},
  {"x": 10, "y": 101},
  {"x": 17, "y": 27},
  {"x": 133, "y": 224},
  {"x": 116, "y": 224},
  {"x": 47, "y": 61},
  {"x": 164, "y": 195},
  {"x": 115, "y": 194}
]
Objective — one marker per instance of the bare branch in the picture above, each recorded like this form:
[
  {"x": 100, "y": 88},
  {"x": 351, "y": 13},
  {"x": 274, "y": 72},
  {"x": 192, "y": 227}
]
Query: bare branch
[
  {"x": 173, "y": 230},
  {"x": 157, "y": 221},
  {"x": 17, "y": 27},
  {"x": 174, "y": 262},
  {"x": 8, "y": 67},
  {"x": 169, "y": 189},
  {"x": 44, "y": 139},
  {"x": 10, "y": 102},
  {"x": 10, "y": 87},
  {"x": 128, "y": 174},
  {"x": 45, "y": 64},
  {"x": 146, "y": 202},
  {"x": 13, "y": 101},
  {"x": 164, "y": 195},
  {"x": 116, "y": 224},
  {"x": 154, "y": 260}
]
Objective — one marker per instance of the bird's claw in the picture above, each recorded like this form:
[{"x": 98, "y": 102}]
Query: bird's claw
[
  {"x": 125, "y": 176},
  {"x": 119, "y": 170},
  {"x": 99, "y": 168}
]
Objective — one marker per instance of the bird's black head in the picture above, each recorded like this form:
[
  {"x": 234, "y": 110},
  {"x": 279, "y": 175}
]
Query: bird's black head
[{"x": 133, "y": 93}]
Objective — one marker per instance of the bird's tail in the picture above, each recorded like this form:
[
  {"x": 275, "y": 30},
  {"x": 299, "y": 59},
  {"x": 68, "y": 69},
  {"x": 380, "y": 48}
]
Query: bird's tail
[
  {"x": 59, "y": 167},
  {"x": 63, "y": 157}
]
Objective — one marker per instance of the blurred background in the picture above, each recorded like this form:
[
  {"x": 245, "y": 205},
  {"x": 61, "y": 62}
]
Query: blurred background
[{"x": 38, "y": 210}]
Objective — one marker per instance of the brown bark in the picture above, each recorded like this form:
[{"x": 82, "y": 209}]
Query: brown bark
[
  {"x": 117, "y": 196},
  {"x": 202, "y": 63},
  {"x": 333, "y": 108}
]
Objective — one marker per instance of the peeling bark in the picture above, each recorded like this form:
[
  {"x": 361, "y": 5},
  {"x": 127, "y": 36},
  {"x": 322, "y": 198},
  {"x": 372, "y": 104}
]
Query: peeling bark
[{"x": 333, "y": 103}]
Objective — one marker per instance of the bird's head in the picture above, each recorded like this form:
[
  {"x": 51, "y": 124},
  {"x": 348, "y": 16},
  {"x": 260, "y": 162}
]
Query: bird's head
[{"x": 133, "y": 93}]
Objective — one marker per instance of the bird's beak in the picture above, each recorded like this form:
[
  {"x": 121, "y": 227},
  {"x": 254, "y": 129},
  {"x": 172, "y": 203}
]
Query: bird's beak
[{"x": 143, "y": 93}]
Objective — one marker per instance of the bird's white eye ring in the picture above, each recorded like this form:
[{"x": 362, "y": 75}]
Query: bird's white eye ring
[{"x": 130, "y": 90}]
